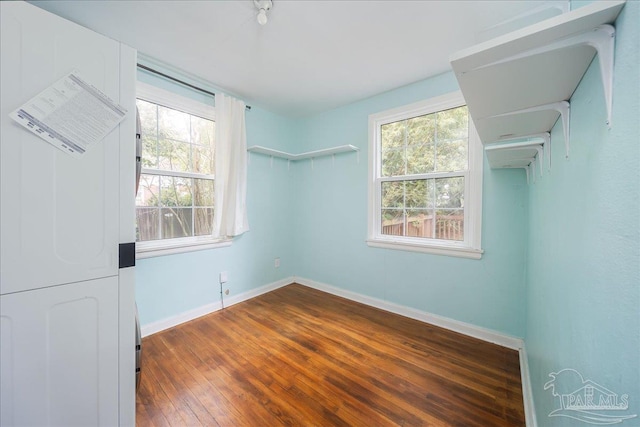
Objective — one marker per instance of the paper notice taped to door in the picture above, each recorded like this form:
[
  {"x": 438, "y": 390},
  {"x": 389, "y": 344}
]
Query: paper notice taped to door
[{"x": 71, "y": 115}]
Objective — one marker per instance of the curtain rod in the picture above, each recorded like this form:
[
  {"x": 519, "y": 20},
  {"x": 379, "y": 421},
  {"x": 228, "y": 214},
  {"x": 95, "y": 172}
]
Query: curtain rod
[{"x": 166, "y": 76}]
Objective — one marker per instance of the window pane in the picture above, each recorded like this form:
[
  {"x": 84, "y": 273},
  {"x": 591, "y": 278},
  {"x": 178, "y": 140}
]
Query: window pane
[
  {"x": 173, "y": 124},
  {"x": 176, "y": 222},
  {"x": 393, "y": 194},
  {"x": 174, "y": 155},
  {"x": 148, "y": 117},
  {"x": 452, "y": 155},
  {"x": 149, "y": 123},
  {"x": 452, "y": 124},
  {"x": 175, "y": 191},
  {"x": 202, "y": 131},
  {"x": 147, "y": 224},
  {"x": 149, "y": 152},
  {"x": 393, "y": 222},
  {"x": 420, "y": 158},
  {"x": 419, "y": 193},
  {"x": 450, "y": 224},
  {"x": 421, "y": 130},
  {"x": 415, "y": 194},
  {"x": 420, "y": 223},
  {"x": 420, "y": 144},
  {"x": 148, "y": 191},
  {"x": 393, "y": 135},
  {"x": 203, "y": 160},
  {"x": 203, "y": 221},
  {"x": 393, "y": 162},
  {"x": 202, "y": 135},
  {"x": 450, "y": 192},
  {"x": 203, "y": 192}
]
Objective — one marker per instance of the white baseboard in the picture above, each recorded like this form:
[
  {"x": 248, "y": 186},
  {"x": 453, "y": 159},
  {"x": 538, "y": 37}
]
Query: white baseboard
[
  {"x": 484, "y": 334},
  {"x": 172, "y": 321},
  {"x": 527, "y": 392},
  {"x": 229, "y": 301}
]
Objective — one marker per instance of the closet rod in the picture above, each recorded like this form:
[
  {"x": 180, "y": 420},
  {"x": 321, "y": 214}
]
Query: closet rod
[{"x": 166, "y": 76}]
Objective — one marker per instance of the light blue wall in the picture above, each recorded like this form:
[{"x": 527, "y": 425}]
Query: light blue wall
[
  {"x": 583, "y": 281},
  {"x": 331, "y": 227},
  {"x": 169, "y": 285}
]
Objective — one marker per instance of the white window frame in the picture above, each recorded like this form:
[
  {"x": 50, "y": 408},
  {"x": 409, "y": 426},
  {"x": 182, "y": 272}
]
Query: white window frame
[
  {"x": 153, "y": 248},
  {"x": 470, "y": 247}
]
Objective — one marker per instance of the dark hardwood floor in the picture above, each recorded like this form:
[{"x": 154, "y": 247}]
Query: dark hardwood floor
[{"x": 298, "y": 356}]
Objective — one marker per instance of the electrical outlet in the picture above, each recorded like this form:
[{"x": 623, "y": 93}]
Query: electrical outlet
[
  {"x": 224, "y": 277},
  {"x": 226, "y": 292},
  {"x": 277, "y": 263}
]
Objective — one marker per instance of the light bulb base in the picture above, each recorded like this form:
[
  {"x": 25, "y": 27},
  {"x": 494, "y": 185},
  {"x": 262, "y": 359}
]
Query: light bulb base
[{"x": 262, "y": 17}]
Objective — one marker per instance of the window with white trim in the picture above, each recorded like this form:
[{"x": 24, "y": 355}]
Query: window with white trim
[
  {"x": 174, "y": 204},
  {"x": 425, "y": 190}
]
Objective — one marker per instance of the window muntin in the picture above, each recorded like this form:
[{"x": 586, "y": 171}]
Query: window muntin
[
  {"x": 175, "y": 200},
  {"x": 426, "y": 172}
]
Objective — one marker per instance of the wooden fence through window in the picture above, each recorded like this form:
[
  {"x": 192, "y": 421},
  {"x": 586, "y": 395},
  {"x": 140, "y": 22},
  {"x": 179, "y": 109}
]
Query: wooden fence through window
[{"x": 446, "y": 227}]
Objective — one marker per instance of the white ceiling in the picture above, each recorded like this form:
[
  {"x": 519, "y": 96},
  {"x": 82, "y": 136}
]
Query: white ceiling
[{"x": 311, "y": 56}]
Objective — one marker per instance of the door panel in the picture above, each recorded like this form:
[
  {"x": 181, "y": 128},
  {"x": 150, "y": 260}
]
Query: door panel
[
  {"x": 62, "y": 343},
  {"x": 59, "y": 215}
]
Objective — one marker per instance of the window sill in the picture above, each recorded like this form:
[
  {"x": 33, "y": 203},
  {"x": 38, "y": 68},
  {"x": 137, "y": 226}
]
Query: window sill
[
  {"x": 177, "y": 246},
  {"x": 454, "y": 251}
]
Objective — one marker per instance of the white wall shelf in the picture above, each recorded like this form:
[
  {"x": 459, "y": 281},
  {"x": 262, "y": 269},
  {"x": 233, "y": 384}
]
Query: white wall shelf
[
  {"x": 306, "y": 155},
  {"x": 518, "y": 84},
  {"x": 526, "y": 155}
]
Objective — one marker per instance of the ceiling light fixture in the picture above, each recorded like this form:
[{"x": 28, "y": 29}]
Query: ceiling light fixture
[{"x": 263, "y": 6}]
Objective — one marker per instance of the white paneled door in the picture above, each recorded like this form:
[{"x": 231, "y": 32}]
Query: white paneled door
[
  {"x": 67, "y": 349},
  {"x": 59, "y": 356}
]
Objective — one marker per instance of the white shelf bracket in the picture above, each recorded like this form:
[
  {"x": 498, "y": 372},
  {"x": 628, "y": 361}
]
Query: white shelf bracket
[
  {"x": 271, "y": 162},
  {"x": 540, "y": 159},
  {"x": 289, "y": 164},
  {"x": 546, "y": 148},
  {"x": 563, "y": 108},
  {"x": 603, "y": 39},
  {"x": 532, "y": 165},
  {"x": 527, "y": 171}
]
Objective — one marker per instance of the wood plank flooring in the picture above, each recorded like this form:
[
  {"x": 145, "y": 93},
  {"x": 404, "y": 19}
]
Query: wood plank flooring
[{"x": 300, "y": 357}]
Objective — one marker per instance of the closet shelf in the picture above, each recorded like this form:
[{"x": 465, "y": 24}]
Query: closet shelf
[
  {"x": 306, "y": 155},
  {"x": 517, "y": 85}
]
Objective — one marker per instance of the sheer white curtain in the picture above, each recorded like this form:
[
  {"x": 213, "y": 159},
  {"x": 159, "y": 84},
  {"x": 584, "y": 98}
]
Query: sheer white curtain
[{"x": 230, "y": 217}]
